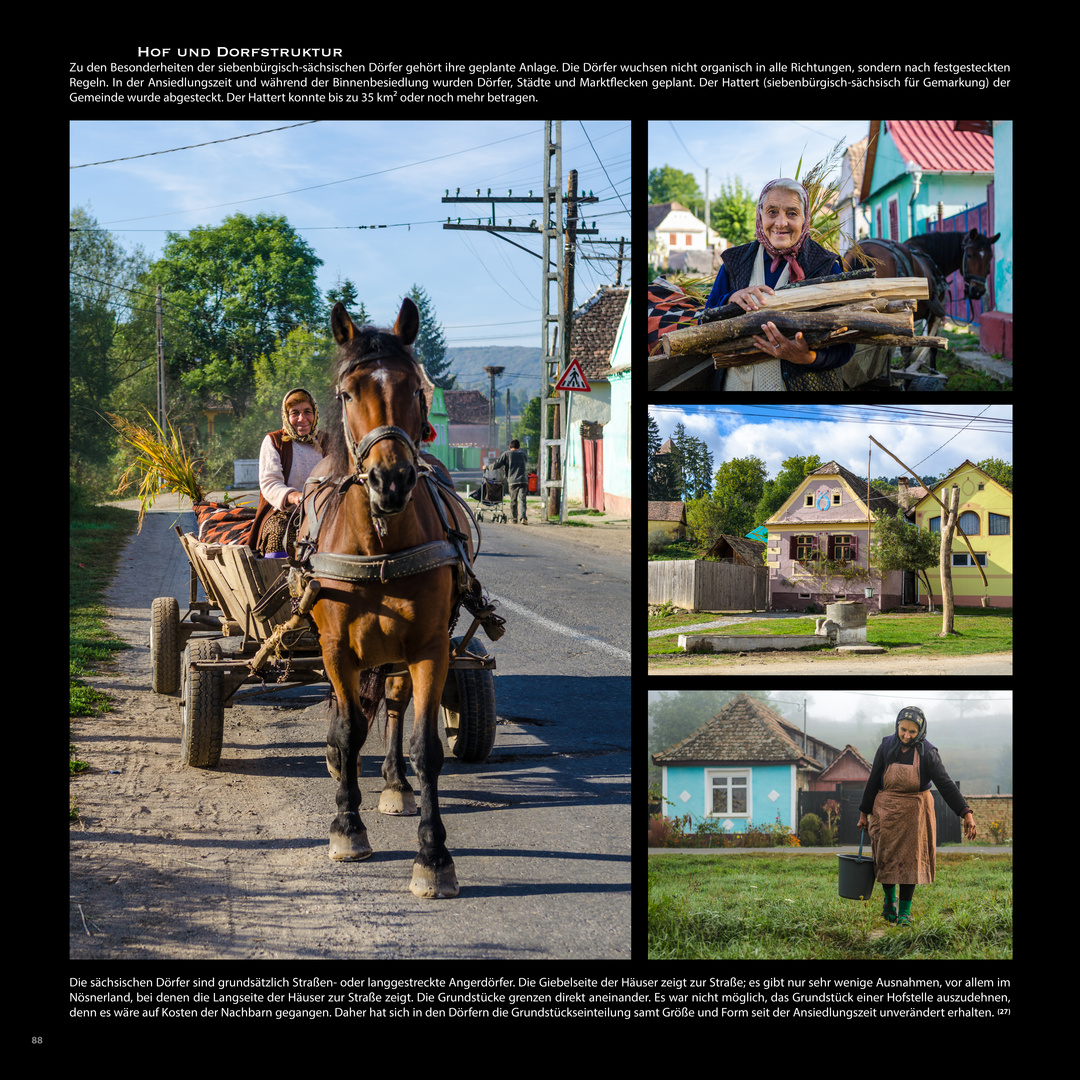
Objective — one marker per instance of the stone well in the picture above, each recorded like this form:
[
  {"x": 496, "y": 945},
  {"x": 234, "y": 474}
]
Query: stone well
[{"x": 844, "y": 623}]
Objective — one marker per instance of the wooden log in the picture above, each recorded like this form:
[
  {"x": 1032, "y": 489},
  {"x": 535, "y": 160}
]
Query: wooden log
[
  {"x": 742, "y": 354},
  {"x": 790, "y": 323},
  {"x": 726, "y": 311},
  {"x": 700, "y": 338}
]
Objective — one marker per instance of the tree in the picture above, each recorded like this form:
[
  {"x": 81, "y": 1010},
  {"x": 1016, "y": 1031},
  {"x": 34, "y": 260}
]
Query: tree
[
  {"x": 734, "y": 212},
  {"x": 728, "y": 510},
  {"x": 948, "y": 528},
  {"x": 104, "y": 291},
  {"x": 345, "y": 292},
  {"x": 673, "y": 185},
  {"x": 776, "y": 492},
  {"x": 233, "y": 291},
  {"x": 663, "y": 481},
  {"x": 899, "y": 545},
  {"x": 430, "y": 345}
]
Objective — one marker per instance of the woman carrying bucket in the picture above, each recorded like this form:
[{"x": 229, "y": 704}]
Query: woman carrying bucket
[{"x": 898, "y": 810}]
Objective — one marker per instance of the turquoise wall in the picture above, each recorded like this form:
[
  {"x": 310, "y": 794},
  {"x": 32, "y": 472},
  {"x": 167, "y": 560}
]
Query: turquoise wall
[{"x": 763, "y": 780}]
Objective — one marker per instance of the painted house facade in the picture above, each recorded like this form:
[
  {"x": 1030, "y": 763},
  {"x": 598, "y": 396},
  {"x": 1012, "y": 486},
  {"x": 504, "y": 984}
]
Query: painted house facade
[
  {"x": 668, "y": 518},
  {"x": 745, "y": 766},
  {"x": 986, "y": 516},
  {"x": 674, "y": 228},
  {"x": 913, "y": 166},
  {"x": 818, "y": 544}
]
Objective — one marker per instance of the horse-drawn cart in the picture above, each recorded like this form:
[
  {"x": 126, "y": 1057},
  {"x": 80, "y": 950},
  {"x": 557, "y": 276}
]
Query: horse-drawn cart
[{"x": 252, "y": 628}]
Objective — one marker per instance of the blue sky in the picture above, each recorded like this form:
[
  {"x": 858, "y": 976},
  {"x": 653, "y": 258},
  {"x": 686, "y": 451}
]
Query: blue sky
[
  {"x": 755, "y": 151},
  {"x": 931, "y": 439},
  {"x": 329, "y": 177}
]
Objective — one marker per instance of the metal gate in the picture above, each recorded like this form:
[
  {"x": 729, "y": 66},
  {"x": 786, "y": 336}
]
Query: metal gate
[{"x": 811, "y": 802}]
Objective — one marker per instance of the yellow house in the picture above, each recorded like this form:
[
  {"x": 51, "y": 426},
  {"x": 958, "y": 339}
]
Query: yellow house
[
  {"x": 669, "y": 518},
  {"x": 985, "y": 515}
]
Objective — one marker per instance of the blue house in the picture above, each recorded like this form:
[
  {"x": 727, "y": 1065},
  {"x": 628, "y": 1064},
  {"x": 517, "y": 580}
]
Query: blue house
[
  {"x": 918, "y": 169},
  {"x": 746, "y": 765}
]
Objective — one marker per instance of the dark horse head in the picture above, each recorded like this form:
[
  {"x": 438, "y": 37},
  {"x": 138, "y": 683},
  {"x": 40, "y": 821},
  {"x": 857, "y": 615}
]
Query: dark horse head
[
  {"x": 972, "y": 256},
  {"x": 380, "y": 386}
]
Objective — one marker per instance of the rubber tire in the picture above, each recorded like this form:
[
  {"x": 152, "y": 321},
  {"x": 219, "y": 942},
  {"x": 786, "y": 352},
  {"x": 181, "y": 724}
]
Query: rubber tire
[
  {"x": 165, "y": 645},
  {"x": 202, "y": 711},
  {"x": 468, "y": 705}
]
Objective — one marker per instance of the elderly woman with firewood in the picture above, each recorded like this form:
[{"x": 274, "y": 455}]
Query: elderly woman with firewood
[{"x": 783, "y": 253}]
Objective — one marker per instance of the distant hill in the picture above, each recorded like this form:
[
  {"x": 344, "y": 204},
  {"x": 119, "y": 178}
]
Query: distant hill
[{"x": 522, "y": 363}]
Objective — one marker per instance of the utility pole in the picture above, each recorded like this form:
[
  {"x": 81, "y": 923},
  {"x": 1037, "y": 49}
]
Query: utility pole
[
  {"x": 493, "y": 439},
  {"x": 160, "y": 363},
  {"x": 618, "y": 259},
  {"x": 555, "y": 338}
]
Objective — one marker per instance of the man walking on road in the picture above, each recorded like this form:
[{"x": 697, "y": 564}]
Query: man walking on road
[{"x": 517, "y": 477}]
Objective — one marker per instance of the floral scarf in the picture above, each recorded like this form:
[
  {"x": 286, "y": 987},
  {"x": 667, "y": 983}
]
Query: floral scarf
[
  {"x": 788, "y": 254},
  {"x": 287, "y": 430}
]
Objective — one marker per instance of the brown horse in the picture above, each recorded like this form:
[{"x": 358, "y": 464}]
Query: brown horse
[
  {"x": 933, "y": 256},
  {"x": 387, "y": 517}
]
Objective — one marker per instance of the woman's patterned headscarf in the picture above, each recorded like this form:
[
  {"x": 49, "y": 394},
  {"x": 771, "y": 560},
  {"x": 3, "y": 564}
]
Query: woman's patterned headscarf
[
  {"x": 788, "y": 254},
  {"x": 288, "y": 431},
  {"x": 914, "y": 716}
]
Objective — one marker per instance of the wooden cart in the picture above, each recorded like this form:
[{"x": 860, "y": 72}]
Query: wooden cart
[{"x": 245, "y": 631}]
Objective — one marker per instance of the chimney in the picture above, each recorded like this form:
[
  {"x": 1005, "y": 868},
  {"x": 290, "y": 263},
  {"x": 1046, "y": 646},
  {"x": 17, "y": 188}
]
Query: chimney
[{"x": 902, "y": 494}]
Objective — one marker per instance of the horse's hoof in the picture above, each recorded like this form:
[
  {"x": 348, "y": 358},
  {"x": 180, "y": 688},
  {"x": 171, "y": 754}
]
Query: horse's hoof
[
  {"x": 431, "y": 884},
  {"x": 397, "y": 803},
  {"x": 349, "y": 847}
]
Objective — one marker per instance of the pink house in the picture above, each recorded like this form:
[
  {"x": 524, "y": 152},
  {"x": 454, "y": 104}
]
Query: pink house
[{"x": 818, "y": 541}]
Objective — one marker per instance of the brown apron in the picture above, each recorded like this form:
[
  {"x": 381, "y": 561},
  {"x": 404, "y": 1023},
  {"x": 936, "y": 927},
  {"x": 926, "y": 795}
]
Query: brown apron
[{"x": 903, "y": 828}]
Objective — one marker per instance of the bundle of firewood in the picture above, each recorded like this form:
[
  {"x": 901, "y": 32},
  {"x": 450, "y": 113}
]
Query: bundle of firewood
[{"x": 850, "y": 307}]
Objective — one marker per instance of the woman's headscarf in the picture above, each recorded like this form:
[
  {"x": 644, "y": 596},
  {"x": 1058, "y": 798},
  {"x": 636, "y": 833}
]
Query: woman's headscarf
[
  {"x": 288, "y": 431},
  {"x": 788, "y": 254},
  {"x": 914, "y": 716}
]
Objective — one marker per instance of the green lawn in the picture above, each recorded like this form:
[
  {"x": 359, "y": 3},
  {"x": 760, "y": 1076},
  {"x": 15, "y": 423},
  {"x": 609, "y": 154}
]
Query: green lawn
[
  {"x": 786, "y": 906},
  {"x": 978, "y": 630}
]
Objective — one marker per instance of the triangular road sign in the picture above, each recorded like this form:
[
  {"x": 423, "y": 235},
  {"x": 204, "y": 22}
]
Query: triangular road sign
[{"x": 573, "y": 378}]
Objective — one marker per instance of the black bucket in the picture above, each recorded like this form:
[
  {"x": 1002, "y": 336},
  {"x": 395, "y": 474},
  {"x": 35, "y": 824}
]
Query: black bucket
[{"x": 856, "y": 880}]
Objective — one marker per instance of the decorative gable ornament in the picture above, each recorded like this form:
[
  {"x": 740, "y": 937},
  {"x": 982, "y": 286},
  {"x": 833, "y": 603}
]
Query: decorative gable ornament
[{"x": 823, "y": 498}]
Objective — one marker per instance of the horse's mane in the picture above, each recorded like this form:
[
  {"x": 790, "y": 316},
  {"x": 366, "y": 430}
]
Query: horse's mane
[
  {"x": 942, "y": 247},
  {"x": 369, "y": 343}
]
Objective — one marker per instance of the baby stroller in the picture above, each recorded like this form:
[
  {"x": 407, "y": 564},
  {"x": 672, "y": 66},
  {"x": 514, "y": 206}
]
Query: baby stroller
[{"x": 490, "y": 496}]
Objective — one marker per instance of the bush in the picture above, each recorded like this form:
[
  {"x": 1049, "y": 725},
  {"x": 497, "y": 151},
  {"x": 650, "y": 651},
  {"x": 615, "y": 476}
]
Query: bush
[{"x": 811, "y": 831}]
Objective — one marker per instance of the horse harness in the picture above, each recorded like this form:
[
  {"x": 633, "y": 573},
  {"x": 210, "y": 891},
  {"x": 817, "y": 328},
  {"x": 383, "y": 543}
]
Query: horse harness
[
  {"x": 905, "y": 268},
  {"x": 451, "y": 551},
  {"x": 905, "y": 259}
]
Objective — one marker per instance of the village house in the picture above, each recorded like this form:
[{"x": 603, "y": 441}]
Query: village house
[
  {"x": 985, "y": 515},
  {"x": 668, "y": 518},
  {"x": 748, "y": 764},
  {"x": 677, "y": 239},
  {"x": 818, "y": 548}
]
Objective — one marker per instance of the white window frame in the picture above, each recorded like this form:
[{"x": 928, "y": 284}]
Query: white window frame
[{"x": 742, "y": 774}]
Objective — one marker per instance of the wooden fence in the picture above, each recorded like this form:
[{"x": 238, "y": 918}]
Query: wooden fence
[{"x": 709, "y": 586}]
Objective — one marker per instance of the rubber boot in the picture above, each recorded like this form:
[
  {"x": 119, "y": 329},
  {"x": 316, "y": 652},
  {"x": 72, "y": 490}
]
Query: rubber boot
[{"x": 889, "y": 907}]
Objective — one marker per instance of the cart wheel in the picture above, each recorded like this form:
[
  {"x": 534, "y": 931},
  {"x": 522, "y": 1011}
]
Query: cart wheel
[
  {"x": 468, "y": 704},
  {"x": 203, "y": 709},
  {"x": 165, "y": 645}
]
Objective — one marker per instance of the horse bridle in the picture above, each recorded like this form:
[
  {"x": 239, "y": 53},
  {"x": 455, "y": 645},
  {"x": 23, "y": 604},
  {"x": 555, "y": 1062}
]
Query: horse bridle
[
  {"x": 359, "y": 450},
  {"x": 969, "y": 278}
]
